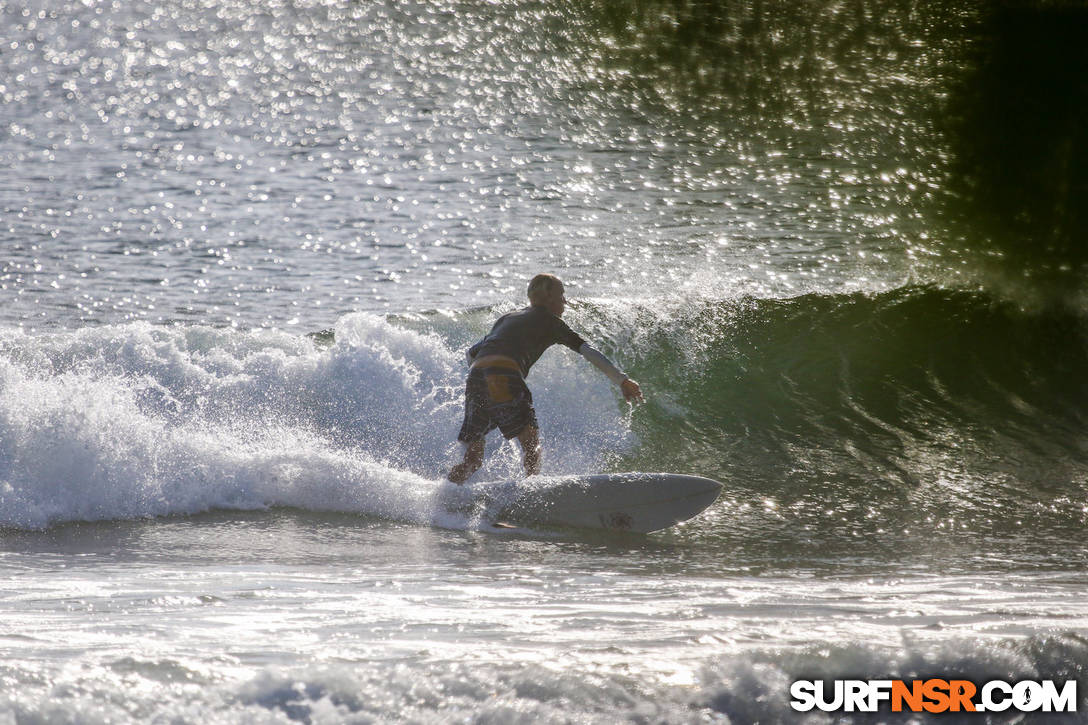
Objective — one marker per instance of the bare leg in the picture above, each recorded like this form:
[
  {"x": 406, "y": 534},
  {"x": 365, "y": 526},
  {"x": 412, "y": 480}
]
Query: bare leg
[
  {"x": 474, "y": 458},
  {"x": 529, "y": 438}
]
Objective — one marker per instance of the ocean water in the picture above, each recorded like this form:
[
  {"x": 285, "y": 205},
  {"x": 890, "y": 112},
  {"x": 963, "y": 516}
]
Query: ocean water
[{"x": 243, "y": 247}]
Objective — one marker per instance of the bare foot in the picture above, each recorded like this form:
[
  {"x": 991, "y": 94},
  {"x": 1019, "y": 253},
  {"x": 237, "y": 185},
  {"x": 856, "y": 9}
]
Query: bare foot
[{"x": 459, "y": 473}]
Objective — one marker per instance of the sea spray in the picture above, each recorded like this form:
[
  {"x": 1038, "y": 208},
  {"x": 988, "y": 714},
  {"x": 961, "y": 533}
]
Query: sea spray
[{"x": 137, "y": 420}]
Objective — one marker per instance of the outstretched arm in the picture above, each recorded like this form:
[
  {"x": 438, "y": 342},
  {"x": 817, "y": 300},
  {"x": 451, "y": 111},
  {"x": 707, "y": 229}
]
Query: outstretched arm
[{"x": 631, "y": 390}]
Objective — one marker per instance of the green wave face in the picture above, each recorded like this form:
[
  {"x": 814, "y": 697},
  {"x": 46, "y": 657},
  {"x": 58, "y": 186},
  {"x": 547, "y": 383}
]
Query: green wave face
[
  {"x": 862, "y": 381},
  {"x": 859, "y": 413},
  {"x": 921, "y": 400}
]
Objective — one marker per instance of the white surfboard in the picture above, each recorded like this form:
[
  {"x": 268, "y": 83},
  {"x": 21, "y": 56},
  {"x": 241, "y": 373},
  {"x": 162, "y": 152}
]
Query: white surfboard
[{"x": 636, "y": 502}]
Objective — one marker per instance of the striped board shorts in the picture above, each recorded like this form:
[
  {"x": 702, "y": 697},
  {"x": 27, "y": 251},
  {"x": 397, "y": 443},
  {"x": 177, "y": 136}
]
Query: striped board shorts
[{"x": 496, "y": 396}]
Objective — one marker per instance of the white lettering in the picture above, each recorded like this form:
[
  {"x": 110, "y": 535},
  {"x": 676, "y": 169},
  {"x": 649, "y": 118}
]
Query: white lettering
[
  {"x": 1066, "y": 701},
  {"x": 854, "y": 695},
  {"x": 821, "y": 698},
  {"x": 990, "y": 703},
  {"x": 994, "y": 696},
  {"x": 879, "y": 691},
  {"x": 1027, "y": 696},
  {"x": 804, "y": 695}
]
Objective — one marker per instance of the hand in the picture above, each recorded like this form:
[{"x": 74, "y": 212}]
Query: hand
[{"x": 632, "y": 393}]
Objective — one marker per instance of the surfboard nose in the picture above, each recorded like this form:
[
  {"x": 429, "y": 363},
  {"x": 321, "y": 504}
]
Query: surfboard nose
[{"x": 696, "y": 485}]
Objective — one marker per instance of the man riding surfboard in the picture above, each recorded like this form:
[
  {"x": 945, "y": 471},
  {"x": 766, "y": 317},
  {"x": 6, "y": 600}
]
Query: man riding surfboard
[{"x": 496, "y": 395}]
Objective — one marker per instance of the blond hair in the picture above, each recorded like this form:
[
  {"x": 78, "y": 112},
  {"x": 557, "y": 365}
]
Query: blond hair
[{"x": 542, "y": 285}]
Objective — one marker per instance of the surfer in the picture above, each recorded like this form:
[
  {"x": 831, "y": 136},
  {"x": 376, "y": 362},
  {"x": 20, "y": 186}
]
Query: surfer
[{"x": 495, "y": 393}]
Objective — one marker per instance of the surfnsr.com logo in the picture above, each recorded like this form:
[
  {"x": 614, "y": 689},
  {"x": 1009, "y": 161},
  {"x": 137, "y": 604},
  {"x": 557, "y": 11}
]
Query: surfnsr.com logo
[{"x": 933, "y": 696}]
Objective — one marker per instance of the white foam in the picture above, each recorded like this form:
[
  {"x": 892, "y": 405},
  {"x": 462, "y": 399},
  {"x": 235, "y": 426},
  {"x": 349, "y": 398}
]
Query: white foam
[
  {"x": 740, "y": 687},
  {"x": 137, "y": 420}
]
